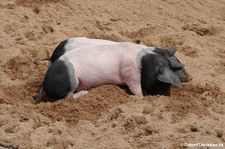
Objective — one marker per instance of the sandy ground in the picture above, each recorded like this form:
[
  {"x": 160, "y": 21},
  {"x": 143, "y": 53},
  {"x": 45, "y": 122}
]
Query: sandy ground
[{"x": 109, "y": 117}]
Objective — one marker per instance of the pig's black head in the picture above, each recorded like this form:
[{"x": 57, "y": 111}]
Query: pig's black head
[
  {"x": 157, "y": 76},
  {"x": 173, "y": 62},
  {"x": 59, "y": 80}
]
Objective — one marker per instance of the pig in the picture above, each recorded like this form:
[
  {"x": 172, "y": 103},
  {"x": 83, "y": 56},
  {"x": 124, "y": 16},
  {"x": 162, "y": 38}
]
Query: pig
[
  {"x": 73, "y": 43},
  {"x": 142, "y": 70}
]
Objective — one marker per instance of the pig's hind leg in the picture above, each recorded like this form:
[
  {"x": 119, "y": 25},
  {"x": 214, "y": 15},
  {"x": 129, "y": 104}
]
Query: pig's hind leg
[
  {"x": 76, "y": 95},
  {"x": 80, "y": 93}
]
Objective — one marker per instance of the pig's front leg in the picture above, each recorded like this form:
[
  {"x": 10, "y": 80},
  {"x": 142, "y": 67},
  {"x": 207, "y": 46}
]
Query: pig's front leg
[
  {"x": 80, "y": 93},
  {"x": 135, "y": 87},
  {"x": 132, "y": 77}
]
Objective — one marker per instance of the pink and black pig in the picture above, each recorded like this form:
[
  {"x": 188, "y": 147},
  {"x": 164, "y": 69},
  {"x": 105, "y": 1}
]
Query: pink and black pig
[
  {"x": 73, "y": 43},
  {"x": 144, "y": 71}
]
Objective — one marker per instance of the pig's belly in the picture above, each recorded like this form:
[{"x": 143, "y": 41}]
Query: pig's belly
[
  {"x": 96, "y": 73},
  {"x": 99, "y": 78},
  {"x": 89, "y": 85}
]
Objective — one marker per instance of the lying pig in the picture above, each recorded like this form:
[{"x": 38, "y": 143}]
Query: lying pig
[
  {"x": 143, "y": 71},
  {"x": 73, "y": 43}
]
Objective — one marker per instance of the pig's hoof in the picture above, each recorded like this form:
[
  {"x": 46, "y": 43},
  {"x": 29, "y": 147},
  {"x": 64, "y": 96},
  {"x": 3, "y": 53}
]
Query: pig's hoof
[{"x": 78, "y": 94}]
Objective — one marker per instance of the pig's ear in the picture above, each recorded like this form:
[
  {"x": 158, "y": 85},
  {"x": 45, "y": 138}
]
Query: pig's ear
[
  {"x": 172, "y": 49},
  {"x": 166, "y": 75},
  {"x": 174, "y": 63}
]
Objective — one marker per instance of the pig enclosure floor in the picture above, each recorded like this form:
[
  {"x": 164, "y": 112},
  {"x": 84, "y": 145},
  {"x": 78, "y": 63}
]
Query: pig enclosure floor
[{"x": 108, "y": 116}]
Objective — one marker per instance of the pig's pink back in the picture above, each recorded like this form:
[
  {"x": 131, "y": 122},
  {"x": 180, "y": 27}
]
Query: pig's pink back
[
  {"x": 103, "y": 64},
  {"x": 73, "y": 43}
]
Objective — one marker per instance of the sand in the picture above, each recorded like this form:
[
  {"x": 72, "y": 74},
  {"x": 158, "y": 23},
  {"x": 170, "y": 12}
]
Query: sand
[{"x": 109, "y": 117}]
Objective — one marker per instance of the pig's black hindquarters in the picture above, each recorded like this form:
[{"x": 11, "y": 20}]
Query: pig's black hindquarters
[
  {"x": 59, "y": 80},
  {"x": 59, "y": 51},
  {"x": 152, "y": 64}
]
